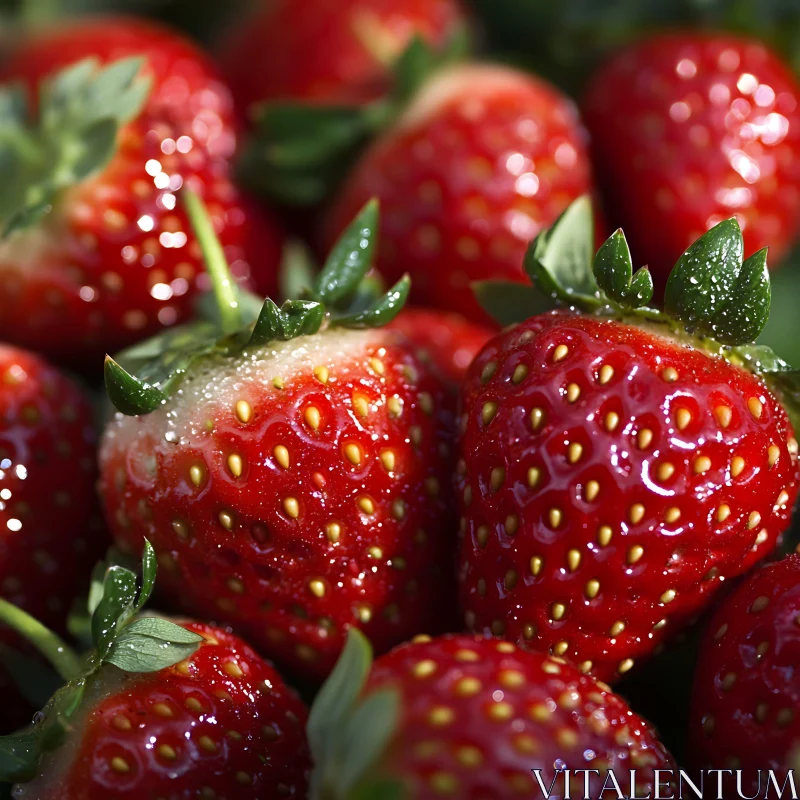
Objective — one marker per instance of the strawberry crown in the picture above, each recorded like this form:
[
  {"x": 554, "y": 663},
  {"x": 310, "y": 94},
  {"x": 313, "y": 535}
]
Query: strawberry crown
[
  {"x": 300, "y": 150},
  {"x": 118, "y": 637},
  {"x": 712, "y": 293},
  {"x": 341, "y": 295},
  {"x": 348, "y": 733},
  {"x": 71, "y": 136}
]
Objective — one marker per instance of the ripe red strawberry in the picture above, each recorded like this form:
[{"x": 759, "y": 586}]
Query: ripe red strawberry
[
  {"x": 482, "y": 160},
  {"x": 449, "y": 342},
  {"x": 689, "y": 129},
  {"x": 157, "y": 710},
  {"x": 474, "y": 718},
  {"x": 50, "y": 528},
  {"x": 115, "y": 260},
  {"x": 292, "y": 488},
  {"x": 744, "y": 703},
  {"x": 616, "y": 470},
  {"x": 329, "y": 52}
]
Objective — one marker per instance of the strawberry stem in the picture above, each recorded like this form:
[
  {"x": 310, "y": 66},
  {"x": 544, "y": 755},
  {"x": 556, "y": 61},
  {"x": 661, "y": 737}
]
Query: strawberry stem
[
  {"x": 216, "y": 263},
  {"x": 52, "y": 647}
]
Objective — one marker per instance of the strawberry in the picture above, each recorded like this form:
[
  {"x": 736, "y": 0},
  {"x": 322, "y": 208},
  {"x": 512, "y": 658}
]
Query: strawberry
[
  {"x": 615, "y": 468},
  {"x": 156, "y": 710},
  {"x": 293, "y": 476},
  {"x": 51, "y": 529},
  {"x": 475, "y": 719},
  {"x": 322, "y": 52},
  {"x": 448, "y": 341},
  {"x": 744, "y": 699},
  {"x": 96, "y": 253},
  {"x": 482, "y": 160},
  {"x": 689, "y": 129}
]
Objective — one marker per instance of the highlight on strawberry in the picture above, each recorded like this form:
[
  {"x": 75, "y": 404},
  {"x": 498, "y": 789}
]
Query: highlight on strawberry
[
  {"x": 618, "y": 462},
  {"x": 155, "y": 708},
  {"x": 467, "y": 716},
  {"x": 291, "y": 465}
]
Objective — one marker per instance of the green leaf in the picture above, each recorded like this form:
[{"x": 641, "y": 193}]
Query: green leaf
[
  {"x": 366, "y": 736},
  {"x": 96, "y": 587},
  {"x": 613, "y": 270},
  {"x": 115, "y": 607},
  {"x": 350, "y": 259},
  {"x": 746, "y": 312},
  {"x": 509, "y": 302},
  {"x": 294, "y": 318},
  {"x": 249, "y": 306},
  {"x": 297, "y": 274},
  {"x": 19, "y": 757},
  {"x": 559, "y": 261},
  {"x": 382, "y": 311},
  {"x": 413, "y": 68},
  {"x": 150, "y": 644},
  {"x": 130, "y": 395},
  {"x": 380, "y": 789},
  {"x": 338, "y": 695},
  {"x": 149, "y": 570},
  {"x": 163, "y": 629}
]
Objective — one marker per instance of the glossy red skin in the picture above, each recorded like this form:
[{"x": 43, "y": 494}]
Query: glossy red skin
[
  {"x": 724, "y": 724},
  {"x": 99, "y": 279},
  {"x": 47, "y": 491},
  {"x": 677, "y": 153},
  {"x": 327, "y": 52},
  {"x": 258, "y": 577},
  {"x": 690, "y": 556},
  {"x": 525, "y": 707},
  {"x": 449, "y": 342},
  {"x": 236, "y": 710},
  {"x": 464, "y": 189}
]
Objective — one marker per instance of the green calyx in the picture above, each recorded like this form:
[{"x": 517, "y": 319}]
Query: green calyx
[
  {"x": 71, "y": 136},
  {"x": 118, "y": 637},
  {"x": 348, "y": 733},
  {"x": 231, "y": 321},
  {"x": 300, "y": 150},
  {"x": 712, "y": 293}
]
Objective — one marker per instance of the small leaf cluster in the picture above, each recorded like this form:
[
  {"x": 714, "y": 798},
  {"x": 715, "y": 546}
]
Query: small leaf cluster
[
  {"x": 343, "y": 294},
  {"x": 71, "y": 136},
  {"x": 119, "y": 637},
  {"x": 348, "y": 733}
]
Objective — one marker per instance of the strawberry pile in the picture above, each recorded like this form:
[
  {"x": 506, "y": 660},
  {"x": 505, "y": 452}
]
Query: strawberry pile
[{"x": 341, "y": 328}]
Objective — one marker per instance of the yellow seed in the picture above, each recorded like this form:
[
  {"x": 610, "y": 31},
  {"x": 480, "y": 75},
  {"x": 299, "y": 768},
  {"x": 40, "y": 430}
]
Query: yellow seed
[
  {"x": 557, "y": 611},
  {"x": 277, "y": 382},
  {"x": 636, "y": 513},
  {"x": 592, "y": 490},
  {"x": 520, "y": 373},
  {"x": 291, "y": 507},
  {"x": 560, "y": 353},
  {"x": 559, "y": 648},
  {"x": 536, "y": 565},
  {"x": 488, "y": 371},
  {"x": 592, "y": 589},
  {"x": 554, "y": 517},
  {"x": 500, "y": 712},
  {"x": 317, "y": 587},
  {"x": 511, "y": 524},
  {"x": 635, "y": 553},
  {"x": 762, "y": 536},
  {"x": 573, "y": 392},
  {"x": 207, "y": 744},
  {"x": 321, "y": 374},
  {"x": 670, "y": 375},
  {"x": 443, "y": 783},
  {"x": 233, "y": 669},
  {"x": 193, "y": 704},
  {"x": 574, "y": 453},
  {"x": 235, "y": 585},
  {"x": 753, "y": 520},
  {"x": 366, "y": 505},
  {"x": 353, "y": 453},
  {"x": 683, "y": 418},
  {"x": 235, "y": 465},
  {"x": 792, "y": 446},
  {"x": 163, "y": 710},
  {"x": 395, "y": 406},
  {"x": 668, "y": 596},
  {"x": 709, "y": 725},
  {"x": 197, "y": 473},
  {"x": 604, "y": 535},
  {"x": 466, "y": 687},
  {"x": 625, "y": 666},
  {"x": 482, "y": 535},
  {"x": 529, "y": 631},
  {"x": 281, "y": 456},
  {"x": 440, "y": 716},
  {"x": 510, "y": 580},
  {"x": 533, "y": 476},
  {"x": 672, "y": 514},
  {"x": 759, "y": 604},
  {"x": 755, "y": 407},
  {"x": 537, "y": 418},
  {"x": 243, "y": 778},
  {"x": 377, "y": 366},
  {"x": 723, "y": 512},
  {"x": 424, "y": 669},
  {"x": 737, "y": 465},
  {"x": 573, "y": 559},
  {"x": 226, "y": 520},
  {"x": 617, "y": 628},
  {"x": 606, "y": 373},
  {"x": 333, "y": 530},
  {"x": 784, "y": 717},
  {"x": 762, "y": 709},
  {"x": 665, "y": 471},
  {"x": 469, "y": 756},
  {"x": 244, "y": 411},
  {"x": 497, "y": 477},
  {"x": 567, "y": 738},
  {"x": 701, "y": 464},
  {"x": 488, "y": 412},
  {"x": 723, "y": 415},
  {"x": 166, "y": 752},
  {"x": 611, "y": 421},
  {"x": 361, "y": 405},
  {"x": 121, "y": 723},
  {"x": 388, "y": 460},
  {"x": 120, "y": 765},
  {"x": 312, "y": 417},
  {"x": 773, "y": 454},
  {"x": 728, "y": 681},
  {"x": 375, "y": 552},
  {"x": 645, "y": 438}
]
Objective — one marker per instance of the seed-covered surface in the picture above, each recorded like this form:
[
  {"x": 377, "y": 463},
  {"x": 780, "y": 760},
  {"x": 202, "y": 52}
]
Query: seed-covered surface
[
  {"x": 51, "y": 531},
  {"x": 116, "y": 260},
  {"x": 746, "y": 694},
  {"x": 296, "y": 491},
  {"x": 221, "y": 724},
  {"x": 478, "y": 715},
  {"x": 482, "y": 161},
  {"x": 610, "y": 481}
]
